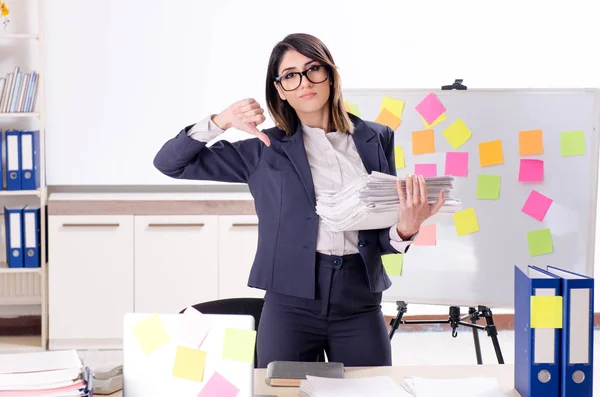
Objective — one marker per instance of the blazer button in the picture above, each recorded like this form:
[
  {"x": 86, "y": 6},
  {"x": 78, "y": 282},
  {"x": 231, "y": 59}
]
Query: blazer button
[{"x": 362, "y": 243}]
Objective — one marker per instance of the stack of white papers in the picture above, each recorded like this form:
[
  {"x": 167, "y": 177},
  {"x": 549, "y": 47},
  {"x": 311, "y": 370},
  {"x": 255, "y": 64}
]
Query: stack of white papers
[
  {"x": 467, "y": 387},
  {"x": 380, "y": 386},
  {"x": 48, "y": 374},
  {"x": 372, "y": 202}
]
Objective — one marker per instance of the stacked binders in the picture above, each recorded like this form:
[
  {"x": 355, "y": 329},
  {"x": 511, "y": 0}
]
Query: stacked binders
[
  {"x": 22, "y": 160},
  {"x": 554, "y": 333},
  {"x": 57, "y": 373},
  {"x": 22, "y": 236},
  {"x": 372, "y": 202}
]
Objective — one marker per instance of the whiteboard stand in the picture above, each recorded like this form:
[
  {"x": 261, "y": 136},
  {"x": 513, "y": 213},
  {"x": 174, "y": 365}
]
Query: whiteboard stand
[{"x": 455, "y": 320}]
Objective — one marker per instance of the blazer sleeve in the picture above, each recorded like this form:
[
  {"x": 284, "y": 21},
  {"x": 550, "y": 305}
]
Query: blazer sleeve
[{"x": 184, "y": 157}]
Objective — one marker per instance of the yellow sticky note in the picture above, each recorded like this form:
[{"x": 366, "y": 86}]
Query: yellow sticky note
[
  {"x": 386, "y": 117},
  {"x": 530, "y": 142},
  {"x": 150, "y": 334},
  {"x": 440, "y": 119},
  {"x": 399, "y": 156},
  {"x": 189, "y": 364},
  {"x": 546, "y": 312},
  {"x": 465, "y": 222},
  {"x": 395, "y": 106},
  {"x": 239, "y": 345},
  {"x": 457, "y": 133},
  {"x": 393, "y": 264},
  {"x": 490, "y": 153},
  {"x": 423, "y": 142},
  {"x": 352, "y": 108}
]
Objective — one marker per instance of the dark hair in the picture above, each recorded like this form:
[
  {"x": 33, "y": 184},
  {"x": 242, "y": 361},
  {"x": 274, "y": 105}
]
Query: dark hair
[{"x": 282, "y": 112}]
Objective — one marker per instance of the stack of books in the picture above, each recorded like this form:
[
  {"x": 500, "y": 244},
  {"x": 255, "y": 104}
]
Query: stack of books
[
  {"x": 372, "y": 202},
  {"x": 18, "y": 91},
  {"x": 52, "y": 373}
]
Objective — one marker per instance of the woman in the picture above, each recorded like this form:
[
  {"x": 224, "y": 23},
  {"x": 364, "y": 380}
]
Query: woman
[{"x": 323, "y": 288}]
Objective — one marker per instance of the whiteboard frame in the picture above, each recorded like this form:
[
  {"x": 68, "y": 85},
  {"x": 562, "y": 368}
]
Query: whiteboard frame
[{"x": 594, "y": 155}]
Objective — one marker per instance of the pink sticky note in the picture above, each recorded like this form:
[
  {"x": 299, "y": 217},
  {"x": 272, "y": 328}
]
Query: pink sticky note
[
  {"x": 191, "y": 329},
  {"x": 537, "y": 205},
  {"x": 218, "y": 386},
  {"x": 430, "y": 108},
  {"x": 531, "y": 170},
  {"x": 457, "y": 163},
  {"x": 427, "y": 170},
  {"x": 426, "y": 236}
]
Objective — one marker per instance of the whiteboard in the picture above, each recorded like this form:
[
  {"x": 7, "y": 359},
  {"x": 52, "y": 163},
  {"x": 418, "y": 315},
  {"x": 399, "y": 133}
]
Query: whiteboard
[
  {"x": 478, "y": 268},
  {"x": 123, "y": 77}
]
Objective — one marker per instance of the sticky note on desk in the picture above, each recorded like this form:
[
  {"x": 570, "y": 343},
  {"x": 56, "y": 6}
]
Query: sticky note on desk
[
  {"x": 537, "y": 205},
  {"x": 386, "y": 117},
  {"x": 423, "y": 142},
  {"x": 393, "y": 264},
  {"x": 531, "y": 170},
  {"x": 540, "y": 242},
  {"x": 395, "y": 106},
  {"x": 465, "y": 222},
  {"x": 488, "y": 187},
  {"x": 572, "y": 143},
  {"x": 457, "y": 133},
  {"x": 218, "y": 386},
  {"x": 490, "y": 153},
  {"x": 192, "y": 328},
  {"x": 457, "y": 163},
  {"x": 189, "y": 364},
  {"x": 239, "y": 345},
  {"x": 430, "y": 108},
  {"x": 546, "y": 311},
  {"x": 399, "y": 157},
  {"x": 150, "y": 334},
  {"x": 531, "y": 142}
]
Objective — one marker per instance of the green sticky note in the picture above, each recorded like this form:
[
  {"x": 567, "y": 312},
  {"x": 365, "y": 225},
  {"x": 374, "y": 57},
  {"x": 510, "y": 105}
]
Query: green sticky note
[
  {"x": 546, "y": 312},
  {"x": 393, "y": 264},
  {"x": 239, "y": 345},
  {"x": 540, "y": 242},
  {"x": 399, "y": 156},
  {"x": 465, "y": 222},
  {"x": 572, "y": 143},
  {"x": 488, "y": 187}
]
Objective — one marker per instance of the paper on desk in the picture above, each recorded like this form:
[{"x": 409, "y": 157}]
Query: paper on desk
[
  {"x": 462, "y": 387},
  {"x": 380, "y": 386}
]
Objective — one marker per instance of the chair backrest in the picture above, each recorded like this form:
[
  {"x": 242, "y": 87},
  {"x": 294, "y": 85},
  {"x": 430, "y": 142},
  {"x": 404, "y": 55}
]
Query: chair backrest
[{"x": 249, "y": 306}]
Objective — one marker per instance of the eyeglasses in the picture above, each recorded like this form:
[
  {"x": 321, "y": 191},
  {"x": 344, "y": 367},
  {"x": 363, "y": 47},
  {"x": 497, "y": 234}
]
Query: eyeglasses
[{"x": 316, "y": 74}]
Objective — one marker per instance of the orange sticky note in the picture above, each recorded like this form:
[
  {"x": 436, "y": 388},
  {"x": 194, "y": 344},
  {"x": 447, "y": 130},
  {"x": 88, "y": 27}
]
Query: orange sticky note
[
  {"x": 426, "y": 235},
  {"x": 490, "y": 153},
  {"x": 423, "y": 142},
  {"x": 530, "y": 142},
  {"x": 386, "y": 117}
]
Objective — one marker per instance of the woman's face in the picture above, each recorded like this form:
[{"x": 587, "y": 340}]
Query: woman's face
[{"x": 309, "y": 96}]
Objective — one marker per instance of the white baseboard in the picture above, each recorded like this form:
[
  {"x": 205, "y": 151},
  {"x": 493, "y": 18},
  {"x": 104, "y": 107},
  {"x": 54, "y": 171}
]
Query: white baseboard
[{"x": 8, "y": 311}]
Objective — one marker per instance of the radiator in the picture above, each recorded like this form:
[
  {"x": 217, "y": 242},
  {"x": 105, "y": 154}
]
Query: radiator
[{"x": 20, "y": 289}]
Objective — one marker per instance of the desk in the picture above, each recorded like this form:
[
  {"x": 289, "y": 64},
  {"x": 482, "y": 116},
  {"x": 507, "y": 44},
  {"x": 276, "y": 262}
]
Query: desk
[{"x": 504, "y": 373}]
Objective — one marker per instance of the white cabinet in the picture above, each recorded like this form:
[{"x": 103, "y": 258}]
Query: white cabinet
[
  {"x": 176, "y": 261},
  {"x": 90, "y": 279},
  {"x": 238, "y": 238}
]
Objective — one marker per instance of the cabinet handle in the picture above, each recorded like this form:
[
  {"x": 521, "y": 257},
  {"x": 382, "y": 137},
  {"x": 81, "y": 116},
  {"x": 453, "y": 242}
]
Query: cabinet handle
[
  {"x": 244, "y": 224},
  {"x": 176, "y": 225},
  {"x": 91, "y": 225}
]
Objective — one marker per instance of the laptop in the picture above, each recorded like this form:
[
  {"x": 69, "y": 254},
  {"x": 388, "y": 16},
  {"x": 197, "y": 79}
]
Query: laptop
[{"x": 189, "y": 354}]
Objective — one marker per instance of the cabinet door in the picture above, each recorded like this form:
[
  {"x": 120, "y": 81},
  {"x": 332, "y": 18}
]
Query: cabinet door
[
  {"x": 90, "y": 279},
  {"x": 175, "y": 262},
  {"x": 238, "y": 238}
]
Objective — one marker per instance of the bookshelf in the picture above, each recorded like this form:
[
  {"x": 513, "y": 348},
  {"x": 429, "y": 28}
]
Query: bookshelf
[{"x": 21, "y": 44}]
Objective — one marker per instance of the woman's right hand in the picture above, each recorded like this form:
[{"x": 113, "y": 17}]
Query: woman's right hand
[{"x": 243, "y": 115}]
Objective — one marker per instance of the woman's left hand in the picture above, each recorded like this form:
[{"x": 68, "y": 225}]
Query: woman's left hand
[{"x": 414, "y": 207}]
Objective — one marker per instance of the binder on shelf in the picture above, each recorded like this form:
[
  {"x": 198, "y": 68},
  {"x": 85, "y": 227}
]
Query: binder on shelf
[
  {"x": 30, "y": 147},
  {"x": 13, "y": 160},
  {"x": 538, "y": 323},
  {"x": 1, "y": 162},
  {"x": 31, "y": 236},
  {"x": 13, "y": 219},
  {"x": 577, "y": 359}
]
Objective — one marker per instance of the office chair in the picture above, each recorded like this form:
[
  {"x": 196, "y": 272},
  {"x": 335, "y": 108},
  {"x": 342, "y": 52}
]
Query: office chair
[{"x": 248, "y": 306}]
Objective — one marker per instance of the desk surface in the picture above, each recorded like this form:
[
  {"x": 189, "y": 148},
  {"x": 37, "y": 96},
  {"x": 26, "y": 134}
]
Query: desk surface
[{"x": 504, "y": 373}]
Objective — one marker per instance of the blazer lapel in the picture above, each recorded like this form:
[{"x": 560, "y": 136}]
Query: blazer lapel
[
  {"x": 293, "y": 146},
  {"x": 367, "y": 146}
]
